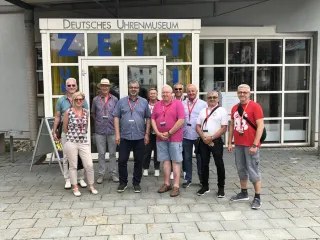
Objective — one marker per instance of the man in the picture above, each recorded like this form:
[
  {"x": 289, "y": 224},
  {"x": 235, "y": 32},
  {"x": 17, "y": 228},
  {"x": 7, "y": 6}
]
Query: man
[
  {"x": 212, "y": 123},
  {"x": 153, "y": 98},
  {"x": 167, "y": 121},
  {"x": 247, "y": 143},
  {"x": 132, "y": 116},
  {"x": 63, "y": 104},
  {"x": 178, "y": 91},
  {"x": 102, "y": 108},
  {"x": 192, "y": 107}
]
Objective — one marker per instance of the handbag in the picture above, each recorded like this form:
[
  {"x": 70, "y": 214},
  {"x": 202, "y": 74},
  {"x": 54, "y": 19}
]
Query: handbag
[
  {"x": 197, "y": 145},
  {"x": 264, "y": 133}
]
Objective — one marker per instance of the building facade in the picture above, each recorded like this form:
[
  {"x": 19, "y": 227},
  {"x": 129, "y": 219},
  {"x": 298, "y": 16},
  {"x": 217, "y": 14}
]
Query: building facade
[{"x": 276, "y": 56}]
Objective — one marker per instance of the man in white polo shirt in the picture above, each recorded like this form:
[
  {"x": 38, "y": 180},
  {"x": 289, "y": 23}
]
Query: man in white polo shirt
[{"x": 211, "y": 125}]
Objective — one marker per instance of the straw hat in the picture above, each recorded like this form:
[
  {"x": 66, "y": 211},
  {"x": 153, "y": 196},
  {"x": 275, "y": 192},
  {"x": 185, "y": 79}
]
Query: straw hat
[{"x": 104, "y": 81}]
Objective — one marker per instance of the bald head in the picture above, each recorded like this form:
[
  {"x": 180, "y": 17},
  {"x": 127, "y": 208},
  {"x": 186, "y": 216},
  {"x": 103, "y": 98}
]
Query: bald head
[{"x": 192, "y": 92}]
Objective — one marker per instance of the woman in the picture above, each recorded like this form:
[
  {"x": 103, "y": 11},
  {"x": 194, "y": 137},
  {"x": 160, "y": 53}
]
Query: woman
[{"x": 75, "y": 125}]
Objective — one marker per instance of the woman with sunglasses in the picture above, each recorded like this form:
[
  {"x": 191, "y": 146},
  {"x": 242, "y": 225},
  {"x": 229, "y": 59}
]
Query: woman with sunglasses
[{"x": 75, "y": 125}]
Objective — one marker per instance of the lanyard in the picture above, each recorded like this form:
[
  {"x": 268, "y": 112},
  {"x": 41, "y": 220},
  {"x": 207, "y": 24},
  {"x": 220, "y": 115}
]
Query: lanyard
[
  {"x": 151, "y": 106},
  {"x": 135, "y": 104},
  {"x": 190, "y": 110},
  {"x": 241, "y": 117},
  {"x": 105, "y": 105},
  {"x": 165, "y": 109},
  {"x": 207, "y": 115}
]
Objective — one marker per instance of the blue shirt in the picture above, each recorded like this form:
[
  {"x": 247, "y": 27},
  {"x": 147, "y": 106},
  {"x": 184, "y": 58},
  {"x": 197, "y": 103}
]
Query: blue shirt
[
  {"x": 63, "y": 104},
  {"x": 104, "y": 121},
  {"x": 132, "y": 124},
  {"x": 189, "y": 129}
]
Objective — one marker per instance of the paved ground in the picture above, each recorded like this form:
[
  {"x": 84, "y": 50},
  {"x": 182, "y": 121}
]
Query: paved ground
[{"x": 34, "y": 205}]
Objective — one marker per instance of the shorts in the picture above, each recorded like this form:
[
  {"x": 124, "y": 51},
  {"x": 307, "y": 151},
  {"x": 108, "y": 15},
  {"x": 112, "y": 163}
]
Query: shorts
[
  {"x": 247, "y": 165},
  {"x": 169, "y": 151}
]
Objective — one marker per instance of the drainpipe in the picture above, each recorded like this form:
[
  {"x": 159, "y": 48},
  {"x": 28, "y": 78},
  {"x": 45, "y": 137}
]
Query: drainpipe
[{"x": 31, "y": 75}]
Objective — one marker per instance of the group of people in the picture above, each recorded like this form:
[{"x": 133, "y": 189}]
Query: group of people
[{"x": 171, "y": 127}]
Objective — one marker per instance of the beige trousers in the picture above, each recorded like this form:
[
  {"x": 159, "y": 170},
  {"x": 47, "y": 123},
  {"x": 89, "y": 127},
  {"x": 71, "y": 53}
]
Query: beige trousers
[{"x": 83, "y": 149}]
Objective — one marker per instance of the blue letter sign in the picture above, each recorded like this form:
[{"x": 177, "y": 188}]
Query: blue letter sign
[
  {"x": 102, "y": 45},
  {"x": 64, "y": 51},
  {"x": 175, "y": 52}
]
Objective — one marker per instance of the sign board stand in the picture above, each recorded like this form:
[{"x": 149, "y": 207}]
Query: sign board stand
[{"x": 45, "y": 143}]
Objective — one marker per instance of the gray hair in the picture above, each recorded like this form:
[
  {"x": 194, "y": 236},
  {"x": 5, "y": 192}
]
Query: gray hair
[
  {"x": 71, "y": 79},
  {"x": 212, "y": 93},
  {"x": 192, "y": 85},
  {"x": 244, "y": 86},
  {"x": 134, "y": 82},
  {"x": 178, "y": 83},
  {"x": 167, "y": 86}
]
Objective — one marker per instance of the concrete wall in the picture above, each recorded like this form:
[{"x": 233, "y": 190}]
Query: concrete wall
[{"x": 13, "y": 90}]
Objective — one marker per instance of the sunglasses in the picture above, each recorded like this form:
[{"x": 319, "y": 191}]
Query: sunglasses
[
  {"x": 79, "y": 99},
  {"x": 243, "y": 93},
  {"x": 212, "y": 97},
  {"x": 71, "y": 85},
  {"x": 178, "y": 89}
]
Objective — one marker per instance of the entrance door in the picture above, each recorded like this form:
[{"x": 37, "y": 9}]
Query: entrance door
[{"x": 148, "y": 72}]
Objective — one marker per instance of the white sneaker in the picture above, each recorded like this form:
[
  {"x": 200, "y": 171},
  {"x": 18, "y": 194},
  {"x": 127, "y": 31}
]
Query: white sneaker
[
  {"x": 184, "y": 175},
  {"x": 93, "y": 191},
  {"x": 82, "y": 183},
  {"x": 171, "y": 176},
  {"x": 156, "y": 173},
  {"x": 67, "y": 185},
  {"x": 145, "y": 172},
  {"x": 115, "y": 178},
  {"x": 76, "y": 193}
]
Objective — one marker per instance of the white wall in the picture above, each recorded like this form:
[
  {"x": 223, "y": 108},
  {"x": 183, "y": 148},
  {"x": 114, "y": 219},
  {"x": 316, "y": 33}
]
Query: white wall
[{"x": 13, "y": 85}]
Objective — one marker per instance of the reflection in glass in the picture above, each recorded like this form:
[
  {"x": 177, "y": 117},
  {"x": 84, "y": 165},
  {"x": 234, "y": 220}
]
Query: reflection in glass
[
  {"x": 295, "y": 130},
  {"x": 296, "y": 105},
  {"x": 140, "y": 44},
  {"x": 270, "y": 103},
  {"x": 269, "y": 51},
  {"x": 145, "y": 75},
  {"x": 240, "y": 75},
  {"x": 273, "y": 131},
  {"x": 39, "y": 59},
  {"x": 212, "y": 79},
  {"x": 298, "y": 51},
  {"x": 177, "y": 47},
  {"x": 59, "y": 76},
  {"x": 61, "y": 52},
  {"x": 112, "y": 43},
  {"x": 182, "y": 74},
  {"x": 297, "y": 78},
  {"x": 212, "y": 51},
  {"x": 54, "y": 103},
  {"x": 241, "y": 51},
  {"x": 269, "y": 78}
]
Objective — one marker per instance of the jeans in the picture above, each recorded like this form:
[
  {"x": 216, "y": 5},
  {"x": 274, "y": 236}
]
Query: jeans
[
  {"x": 152, "y": 146},
  {"x": 217, "y": 152},
  {"x": 137, "y": 146},
  {"x": 187, "y": 159},
  {"x": 101, "y": 141}
]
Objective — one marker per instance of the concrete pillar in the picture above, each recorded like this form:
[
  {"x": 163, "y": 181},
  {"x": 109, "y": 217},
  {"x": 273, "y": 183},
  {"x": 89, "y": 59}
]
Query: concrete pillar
[{"x": 31, "y": 74}]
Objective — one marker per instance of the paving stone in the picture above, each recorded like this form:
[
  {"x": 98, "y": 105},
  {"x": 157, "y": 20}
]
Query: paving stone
[
  {"x": 17, "y": 207},
  {"x": 277, "y": 234},
  {"x": 188, "y": 217},
  {"x": 95, "y": 238},
  {"x": 315, "y": 211},
  {"x": 134, "y": 229},
  {"x": 96, "y": 220},
  {"x": 302, "y": 233},
  {"x": 277, "y": 213},
  {"x": 28, "y": 233},
  {"x": 121, "y": 237},
  {"x": 185, "y": 227},
  {"x": 200, "y": 208},
  {"x": 103, "y": 204},
  {"x": 5, "y": 215},
  {"x": 281, "y": 223},
  {"x": 23, "y": 214},
  {"x": 147, "y": 237},
  {"x": 119, "y": 219},
  {"x": 211, "y": 216},
  {"x": 200, "y": 235},
  {"x": 142, "y": 218},
  {"x": 179, "y": 209},
  {"x": 124, "y": 203},
  {"x": 71, "y": 222},
  {"x": 173, "y": 236},
  {"x": 221, "y": 207},
  {"x": 186, "y": 200},
  {"x": 91, "y": 212},
  {"x": 3, "y": 206},
  {"x": 11, "y": 200},
  {"x": 165, "y": 218},
  {"x": 61, "y": 205},
  {"x": 209, "y": 226},
  {"x": 8, "y": 233},
  {"x": 283, "y": 204},
  {"x": 47, "y": 222},
  {"x": 39, "y": 206},
  {"x": 166, "y": 201},
  {"x": 82, "y": 205},
  {"x": 234, "y": 225},
  {"x": 46, "y": 214},
  {"x": 4, "y": 223},
  {"x": 258, "y": 224},
  {"x": 136, "y": 210},
  {"x": 299, "y": 212},
  {"x": 303, "y": 203},
  {"x": 57, "y": 232},
  {"x": 114, "y": 210},
  {"x": 145, "y": 202},
  {"x": 159, "y": 228},
  {"x": 22, "y": 223},
  {"x": 233, "y": 215},
  {"x": 69, "y": 213},
  {"x": 252, "y": 235},
  {"x": 316, "y": 229},
  {"x": 225, "y": 235},
  {"x": 106, "y": 230},
  {"x": 82, "y": 231},
  {"x": 158, "y": 209},
  {"x": 305, "y": 222}
]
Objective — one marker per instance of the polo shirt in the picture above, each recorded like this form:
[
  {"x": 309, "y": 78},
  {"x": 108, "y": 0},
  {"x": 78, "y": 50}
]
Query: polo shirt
[{"x": 63, "y": 104}]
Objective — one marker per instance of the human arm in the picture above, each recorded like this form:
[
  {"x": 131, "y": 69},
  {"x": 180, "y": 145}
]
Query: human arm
[
  {"x": 260, "y": 127},
  {"x": 176, "y": 127},
  {"x": 117, "y": 130},
  {"x": 147, "y": 135},
  {"x": 55, "y": 124},
  {"x": 65, "y": 121},
  {"x": 230, "y": 135},
  {"x": 93, "y": 110}
]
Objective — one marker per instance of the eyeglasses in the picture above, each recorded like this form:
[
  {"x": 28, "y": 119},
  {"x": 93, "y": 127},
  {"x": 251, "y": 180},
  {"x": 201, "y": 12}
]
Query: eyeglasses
[
  {"x": 133, "y": 87},
  {"x": 79, "y": 99},
  {"x": 71, "y": 85},
  {"x": 212, "y": 97},
  {"x": 178, "y": 89},
  {"x": 244, "y": 93}
]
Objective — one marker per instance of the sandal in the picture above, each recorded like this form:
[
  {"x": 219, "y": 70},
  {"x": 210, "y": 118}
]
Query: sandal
[
  {"x": 76, "y": 192},
  {"x": 93, "y": 190}
]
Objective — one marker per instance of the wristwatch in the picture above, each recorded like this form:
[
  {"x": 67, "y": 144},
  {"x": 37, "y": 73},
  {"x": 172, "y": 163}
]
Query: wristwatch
[{"x": 254, "y": 146}]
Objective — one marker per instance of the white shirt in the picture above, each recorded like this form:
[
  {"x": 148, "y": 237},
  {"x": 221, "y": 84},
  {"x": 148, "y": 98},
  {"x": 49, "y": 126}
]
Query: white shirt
[{"x": 218, "y": 117}]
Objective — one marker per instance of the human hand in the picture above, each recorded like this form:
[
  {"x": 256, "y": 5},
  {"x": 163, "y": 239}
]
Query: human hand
[
  {"x": 146, "y": 139},
  {"x": 118, "y": 139},
  {"x": 253, "y": 150},
  {"x": 229, "y": 147}
]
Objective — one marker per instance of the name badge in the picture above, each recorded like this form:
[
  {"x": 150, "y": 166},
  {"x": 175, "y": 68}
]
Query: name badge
[
  {"x": 162, "y": 124},
  {"x": 105, "y": 117},
  {"x": 189, "y": 124},
  {"x": 240, "y": 133},
  {"x": 205, "y": 131},
  {"x": 131, "y": 120}
]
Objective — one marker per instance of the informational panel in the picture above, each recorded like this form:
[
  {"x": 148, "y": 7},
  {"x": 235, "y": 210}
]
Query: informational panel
[
  {"x": 45, "y": 143},
  {"x": 229, "y": 99}
]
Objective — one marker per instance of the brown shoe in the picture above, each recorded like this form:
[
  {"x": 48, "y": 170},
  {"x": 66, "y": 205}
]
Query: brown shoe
[
  {"x": 164, "y": 188},
  {"x": 174, "y": 192}
]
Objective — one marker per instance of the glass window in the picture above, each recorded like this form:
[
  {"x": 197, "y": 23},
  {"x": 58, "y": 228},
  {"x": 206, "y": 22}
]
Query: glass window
[
  {"x": 297, "y": 78},
  {"x": 298, "y": 51},
  {"x": 182, "y": 74},
  {"x": 212, "y": 78},
  {"x": 270, "y": 103},
  {"x": 296, "y": 105},
  {"x": 40, "y": 104},
  {"x": 269, "y": 51},
  {"x": 273, "y": 131},
  {"x": 140, "y": 44},
  {"x": 177, "y": 47},
  {"x": 66, "y": 47},
  {"x": 241, "y": 51},
  {"x": 40, "y": 82},
  {"x": 54, "y": 103},
  {"x": 240, "y": 75},
  {"x": 59, "y": 76},
  {"x": 104, "y": 44},
  {"x": 212, "y": 51},
  {"x": 295, "y": 130},
  {"x": 39, "y": 59},
  {"x": 269, "y": 78}
]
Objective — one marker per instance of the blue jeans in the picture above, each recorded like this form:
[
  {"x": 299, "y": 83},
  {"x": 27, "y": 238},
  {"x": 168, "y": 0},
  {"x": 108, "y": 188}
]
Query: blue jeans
[{"x": 187, "y": 159}]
